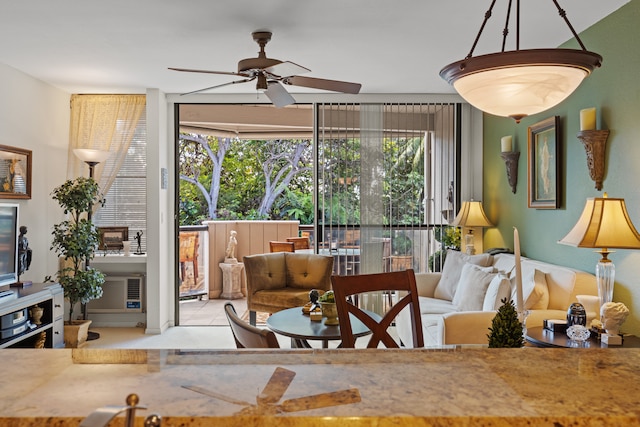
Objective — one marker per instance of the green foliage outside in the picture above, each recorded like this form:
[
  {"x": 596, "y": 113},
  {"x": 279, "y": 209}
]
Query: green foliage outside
[
  {"x": 506, "y": 330},
  {"x": 449, "y": 238},
  {"x": 256, "y": 179}
]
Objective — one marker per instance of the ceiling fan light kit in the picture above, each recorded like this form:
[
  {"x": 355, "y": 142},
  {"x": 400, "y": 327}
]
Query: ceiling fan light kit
[
  {"x": 270, "y": 73},
  {"x": 520, "y": 83}
]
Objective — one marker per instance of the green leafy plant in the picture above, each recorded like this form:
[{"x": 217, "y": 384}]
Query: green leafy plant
[
  {"x": 449, "y": 238},
  {"x": 76, "y": 240},
  {"x": 327, "y": 297},
  {"x": 506, "y": 329}
]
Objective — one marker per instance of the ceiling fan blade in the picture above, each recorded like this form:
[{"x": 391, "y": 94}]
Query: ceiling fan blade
[
  {"x": 278, "y": 95},
  {"x": 277, "y": 386},
  {"x": 217, "y": 86},
  {"x": 190, "y": 70},
  {"x": 315, "y": 83},
  {"x": 286, "y": 69},
  {"x": 323, "y": 400},
  {"x": 220, "y": 396}
]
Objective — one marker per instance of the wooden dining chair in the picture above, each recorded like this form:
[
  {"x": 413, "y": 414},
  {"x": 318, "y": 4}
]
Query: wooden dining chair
[
  {"x": 246, "y": 335},
  {"x": 403, "y": 283},
  {"x": 299, "y": 242},
  {"x": 275, "y": 246}
]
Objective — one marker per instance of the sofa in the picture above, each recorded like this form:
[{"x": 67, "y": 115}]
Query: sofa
[
  {"x": 458, "y": 304},
  {"x": 280, "y": 280}
]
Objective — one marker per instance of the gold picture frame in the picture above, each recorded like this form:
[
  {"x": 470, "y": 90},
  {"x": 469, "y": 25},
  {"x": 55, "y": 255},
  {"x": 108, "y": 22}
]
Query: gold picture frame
[
  {"x": 111, "y": 238},
  {"x": 15, "y": 173},
  {"x": 544, "y": 164}
]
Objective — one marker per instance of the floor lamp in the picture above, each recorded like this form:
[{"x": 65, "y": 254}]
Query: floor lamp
[
  {"x": 604, "y": 224},
  {"x": 92, "y": 158}
]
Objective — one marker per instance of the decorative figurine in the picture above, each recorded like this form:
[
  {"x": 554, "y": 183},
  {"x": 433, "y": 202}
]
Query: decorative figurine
[
  {"x": 613, "y": 315},
  {"x": 24, "y": 253},
  {"x": 314, "y": 295},
  {"x": 230, "y": 254},
  {"x": 139, "y": 240}
]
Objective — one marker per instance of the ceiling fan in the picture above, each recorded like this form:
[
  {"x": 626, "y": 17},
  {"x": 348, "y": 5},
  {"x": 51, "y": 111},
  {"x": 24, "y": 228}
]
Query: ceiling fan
[
  {"x": 267, "y": 400},
  {"x": 271, "y": 73}
]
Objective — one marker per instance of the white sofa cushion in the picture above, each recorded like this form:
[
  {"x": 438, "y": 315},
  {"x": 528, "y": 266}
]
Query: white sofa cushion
[
  {"x": 535, "y": 292},
  {"x": 435, "y": 305},
  {"x": 472, "y": 287},
  {"x": 499, "y": 288},
  {"x": 452, "y": 270}
]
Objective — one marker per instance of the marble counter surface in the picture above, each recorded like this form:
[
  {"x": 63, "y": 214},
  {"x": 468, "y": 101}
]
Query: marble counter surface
[{"x": 456, "y": 387}]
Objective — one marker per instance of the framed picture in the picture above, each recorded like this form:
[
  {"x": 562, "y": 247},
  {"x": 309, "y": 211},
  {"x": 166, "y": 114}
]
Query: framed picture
[
  {"x": 111, "y": 238},
  {"x": 544, "y": 164},
  {"x": 15, "y": 173}
]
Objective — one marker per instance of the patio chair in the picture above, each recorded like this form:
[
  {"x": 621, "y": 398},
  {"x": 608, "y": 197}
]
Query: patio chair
[
  {"x": 346, "y": 287},
  {"x": 275, "y": 246},
  {"x": 246, "y": 335},
  {"x": 299, "y": 242},
  {"x": 189, "y": 243}
]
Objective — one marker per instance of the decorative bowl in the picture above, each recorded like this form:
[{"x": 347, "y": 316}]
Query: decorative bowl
[{"x": 578, "y": 333}]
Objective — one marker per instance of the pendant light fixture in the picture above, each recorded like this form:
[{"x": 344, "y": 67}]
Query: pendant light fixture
[{"x": 519, "y": 83}]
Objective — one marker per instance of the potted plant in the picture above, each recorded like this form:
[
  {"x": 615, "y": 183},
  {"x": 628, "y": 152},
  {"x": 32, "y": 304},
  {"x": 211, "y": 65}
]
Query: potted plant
[
  {"x": 328, "y": 303},
  {"x": 75, "y": 241}
]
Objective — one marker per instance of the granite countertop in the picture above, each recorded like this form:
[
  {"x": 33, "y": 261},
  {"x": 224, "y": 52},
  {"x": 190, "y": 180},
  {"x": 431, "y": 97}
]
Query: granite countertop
[{"x": 451, "y": 387}]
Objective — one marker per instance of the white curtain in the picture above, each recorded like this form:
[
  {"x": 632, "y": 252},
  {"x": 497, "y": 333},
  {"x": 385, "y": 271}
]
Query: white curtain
[{"x": 103, "y": 122}]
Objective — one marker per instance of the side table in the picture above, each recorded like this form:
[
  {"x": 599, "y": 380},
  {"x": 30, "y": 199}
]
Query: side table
[
  {"x": 231, "y": 280},
  {"x": 541, "y": 337}
]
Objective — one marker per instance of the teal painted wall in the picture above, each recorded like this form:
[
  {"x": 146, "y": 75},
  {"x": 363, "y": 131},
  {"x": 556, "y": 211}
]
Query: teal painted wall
[{"x": 614, "y": 89}]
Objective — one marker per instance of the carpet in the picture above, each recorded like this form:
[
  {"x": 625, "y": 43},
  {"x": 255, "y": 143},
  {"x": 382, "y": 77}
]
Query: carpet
[{"x": 261, "y": 317}]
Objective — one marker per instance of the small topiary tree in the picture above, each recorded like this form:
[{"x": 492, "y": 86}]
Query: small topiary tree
[{"x": 506, "y": 329}]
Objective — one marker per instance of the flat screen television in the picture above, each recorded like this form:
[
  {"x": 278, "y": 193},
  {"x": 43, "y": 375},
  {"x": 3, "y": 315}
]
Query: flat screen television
[{"x": 8, "y": 244}]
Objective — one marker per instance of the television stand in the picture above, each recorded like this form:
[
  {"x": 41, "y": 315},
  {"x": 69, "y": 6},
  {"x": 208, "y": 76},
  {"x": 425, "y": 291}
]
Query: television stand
[{"x": 49, "y": 297}]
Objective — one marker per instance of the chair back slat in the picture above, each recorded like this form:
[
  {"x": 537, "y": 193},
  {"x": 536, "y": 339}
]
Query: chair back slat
[
  {"x": 275, "y": 246},
  {"x": 246, "y": 335},
  {"x": 299, "y": 242},
  {"x": 404, "y": 281}
]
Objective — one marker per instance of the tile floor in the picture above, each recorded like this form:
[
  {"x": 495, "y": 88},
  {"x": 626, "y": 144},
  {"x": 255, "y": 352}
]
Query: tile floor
[{"x": 203, "y": 325}]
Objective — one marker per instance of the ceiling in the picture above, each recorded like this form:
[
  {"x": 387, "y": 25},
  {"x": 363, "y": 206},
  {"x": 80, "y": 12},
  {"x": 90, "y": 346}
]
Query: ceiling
[{"x": 395, "y": 46}]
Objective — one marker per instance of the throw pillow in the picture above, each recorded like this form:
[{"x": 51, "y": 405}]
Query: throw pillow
[
  {"x": 499, "y": 288},
  {"x": 535, "y": 291},
  {"x": 472, "y": 288},
  {"x": 452, "y": 269}
]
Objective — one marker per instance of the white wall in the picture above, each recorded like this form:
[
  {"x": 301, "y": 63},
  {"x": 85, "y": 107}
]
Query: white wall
[{"x": 35, "y": 116}]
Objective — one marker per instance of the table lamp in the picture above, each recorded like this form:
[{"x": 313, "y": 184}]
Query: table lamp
[
  {"x": 471, "y": 215},
  {"x": 604, "y": 224}
]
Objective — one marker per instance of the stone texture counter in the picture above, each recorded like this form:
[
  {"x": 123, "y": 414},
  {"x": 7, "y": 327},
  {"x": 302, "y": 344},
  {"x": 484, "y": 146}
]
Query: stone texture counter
[{"x": 456, "y": 387}]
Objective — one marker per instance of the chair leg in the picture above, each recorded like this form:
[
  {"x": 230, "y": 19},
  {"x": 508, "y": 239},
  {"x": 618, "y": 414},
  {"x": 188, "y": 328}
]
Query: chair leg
[{"x": 252, "y": 317}]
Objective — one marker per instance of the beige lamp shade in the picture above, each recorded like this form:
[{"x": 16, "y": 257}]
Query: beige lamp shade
[
  {"x": 604, "y": 223},
  {"x": 90, "y": 155},
  {"x": 471, "y": 214}
]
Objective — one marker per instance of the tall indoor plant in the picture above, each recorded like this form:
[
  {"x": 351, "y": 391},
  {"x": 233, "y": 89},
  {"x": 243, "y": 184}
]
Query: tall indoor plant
[{"x": 75, "y": 241}]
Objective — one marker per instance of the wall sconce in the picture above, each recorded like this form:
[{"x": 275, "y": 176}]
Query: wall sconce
[
  {"x": 510, "y": 160},
  {"x": 594, "y": 142}
]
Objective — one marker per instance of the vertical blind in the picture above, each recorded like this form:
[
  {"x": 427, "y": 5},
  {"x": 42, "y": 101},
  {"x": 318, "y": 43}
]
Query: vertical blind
[
  {"x": 126, "y": 200},
  {"x": 387, "y": 180}
]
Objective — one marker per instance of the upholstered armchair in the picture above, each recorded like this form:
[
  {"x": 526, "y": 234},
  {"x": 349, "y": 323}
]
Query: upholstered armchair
[{"x": 276, "y": 281}]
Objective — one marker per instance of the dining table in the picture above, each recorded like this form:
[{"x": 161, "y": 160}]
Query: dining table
[{"x": 297, "y": 325}]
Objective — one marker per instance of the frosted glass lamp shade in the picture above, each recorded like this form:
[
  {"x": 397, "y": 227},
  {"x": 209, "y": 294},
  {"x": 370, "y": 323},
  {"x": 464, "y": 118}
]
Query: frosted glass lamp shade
[
  {"x": 90, "y": 155},
  {"x": 520, "y": 83}
]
